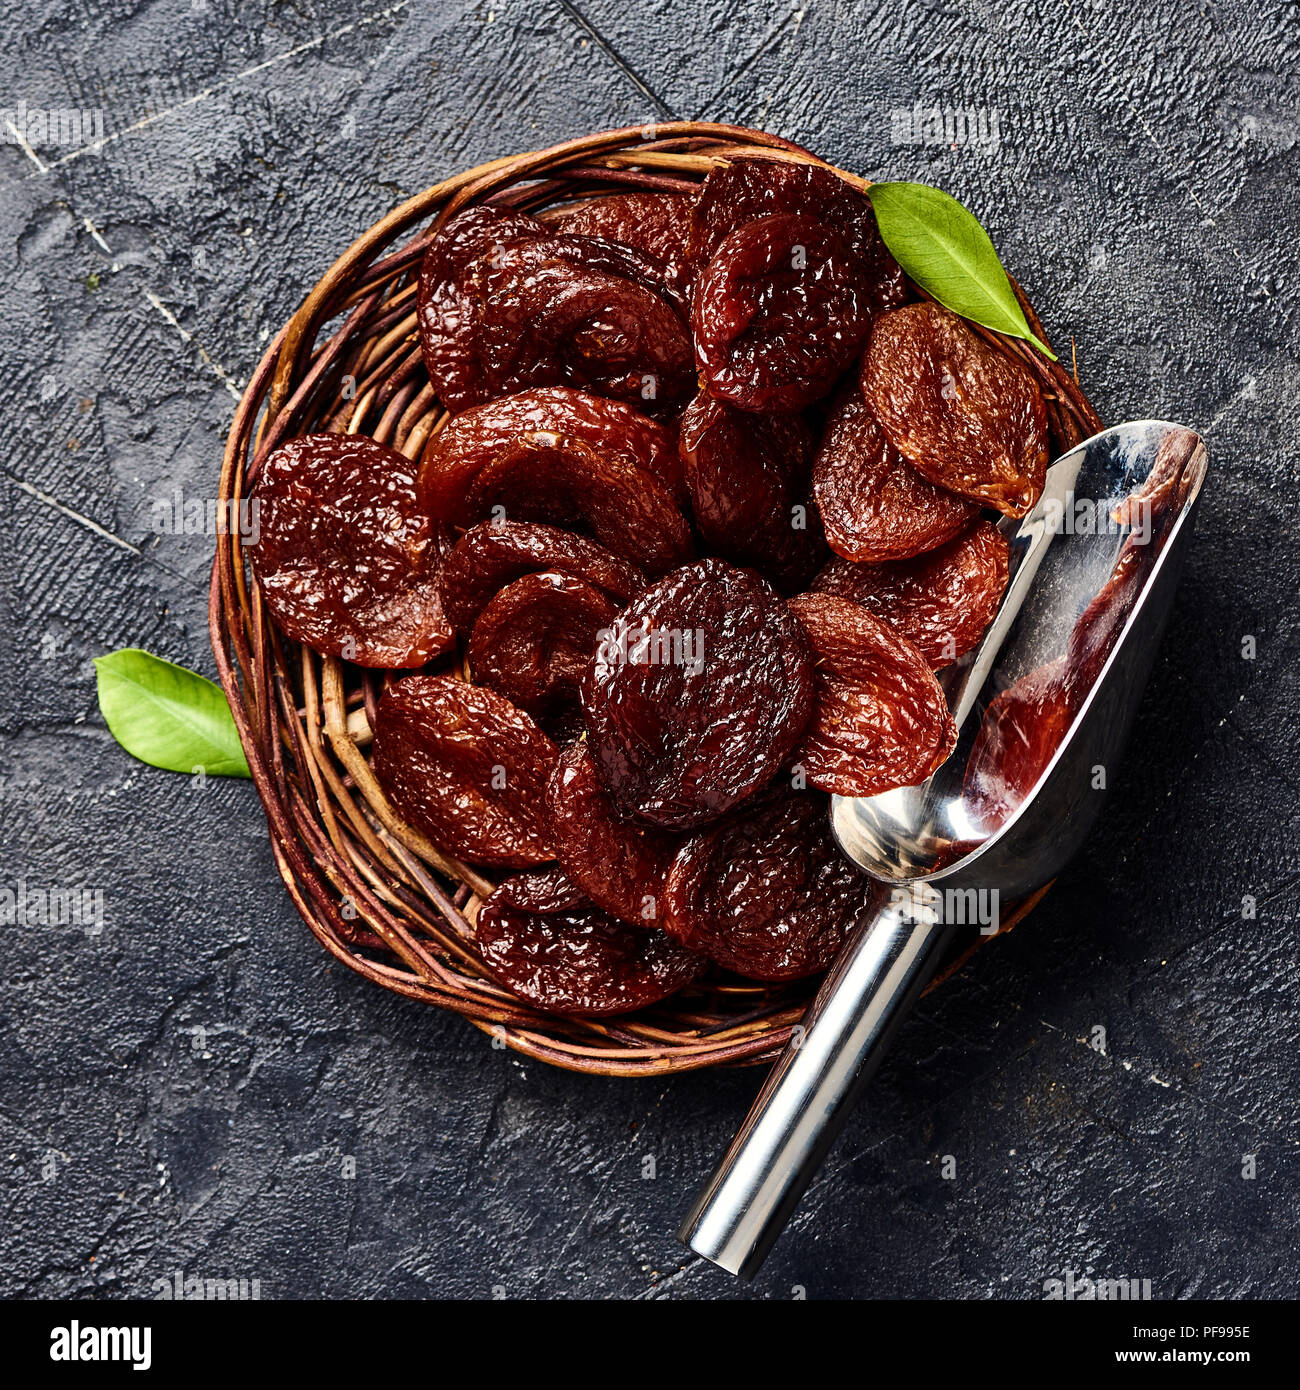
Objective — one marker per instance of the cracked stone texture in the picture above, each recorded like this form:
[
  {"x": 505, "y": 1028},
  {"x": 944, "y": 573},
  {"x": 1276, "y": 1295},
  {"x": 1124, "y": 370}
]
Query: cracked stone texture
[{"x": 190, "y": 1089}]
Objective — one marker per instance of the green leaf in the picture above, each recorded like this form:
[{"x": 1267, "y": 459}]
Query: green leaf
[
  {"x": 167, "y": 716},
  {"x": 945, "y": 250}
]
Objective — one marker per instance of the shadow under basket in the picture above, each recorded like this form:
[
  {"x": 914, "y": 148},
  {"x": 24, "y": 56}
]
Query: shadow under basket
[{"x": 376, "y": 894}]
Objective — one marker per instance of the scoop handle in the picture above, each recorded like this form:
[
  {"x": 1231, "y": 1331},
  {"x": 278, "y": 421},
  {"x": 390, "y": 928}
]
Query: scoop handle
[{"x": 810, "y": 1091}]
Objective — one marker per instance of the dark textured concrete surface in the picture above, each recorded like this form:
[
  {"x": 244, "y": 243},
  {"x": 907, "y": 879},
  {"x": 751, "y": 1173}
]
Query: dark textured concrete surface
[{"x": 192, "y": 1088}]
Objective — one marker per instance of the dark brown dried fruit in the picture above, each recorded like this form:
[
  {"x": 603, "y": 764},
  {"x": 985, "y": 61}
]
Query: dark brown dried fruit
[
  {"x": 766, "y": 893},
  {"x": 621, "y": 867},
  {"x": 874, "y": 505},
  {"x": 576, "y": 959},
  {"x": 779, "y": 312},
  {"x": 1099, "y": 625},
  {"x": 535, "y": 639},
  {"x": 542, "y": 891},
  {"x": 346, "y": 559},
  {"x": 1020, "y": 733},
  {"x": 543, "y": 310},
  {"x": 699, "y": 695},
  {"x": 549, "y": 478},
  {"x": 746, "y": 189},
  {"x": 1025, "y": 724},
  {"x": 495, "y": 553},
  {"x": 880, "y": 719},
  {"x": 1151, "y": 509},
  {"x": 964, "y": 415},
  {"x": 466, "y": 768},
  {"x": 456, "y": 455},
  {"x": 656, "y": 223},
  {"x": 579, "y": 311},
  {"x": 447, "y": 309},
  {"x": 940, "y": 601},
  {"x": 747, "y": 477}
]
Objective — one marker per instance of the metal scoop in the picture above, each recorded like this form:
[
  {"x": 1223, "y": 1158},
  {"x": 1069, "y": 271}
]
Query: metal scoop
[{"x": 962, "y": 843}]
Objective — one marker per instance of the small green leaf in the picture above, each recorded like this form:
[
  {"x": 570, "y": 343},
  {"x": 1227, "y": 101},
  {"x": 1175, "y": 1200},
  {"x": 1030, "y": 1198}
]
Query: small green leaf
[
  {"x": 167, "y": 716},
  {"x": 945, "y": 250}
]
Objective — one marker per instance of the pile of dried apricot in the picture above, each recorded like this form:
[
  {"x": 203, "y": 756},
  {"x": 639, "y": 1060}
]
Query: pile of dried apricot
[{"x": 710, "y": 509}]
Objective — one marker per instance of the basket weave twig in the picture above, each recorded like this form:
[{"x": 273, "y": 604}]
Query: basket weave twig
[{"x": 376, "y": 894}]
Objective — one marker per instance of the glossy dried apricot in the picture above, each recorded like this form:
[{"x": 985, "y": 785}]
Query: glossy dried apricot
[
  {"x": 543, "y": 891},
  {"x": 447, "y": 309},
  {"x": 493, "y": 554},
  {"x": 466, "y": 768},
  {"x": 456, "y": 455},
  {"x": 744, "y": 190},
  {"x": 940, "y": 601},
  {"x": 576, "y": 959},
  {"x": 747, "y": 478},
  {"x": 578, "y": 311},
  {"x": 964, "y": 415},
  {"x": 779, "y": 312},
  {"x": 873, "y": 504},
  {"x": 548, "y": 478},
  {"x": 656, "y": 223},
  {"x": 1020, "y": 733},
  {"x": 766, "y": 892},
  {"x": 698, "y": 695},
  {"x": 346, "y": 558},
  {"x": 536, "y": 637},
  {"x": 621, "y": 867},
  {"x": 1025, "y": 724},
  {"x": 880, "y": 719}
]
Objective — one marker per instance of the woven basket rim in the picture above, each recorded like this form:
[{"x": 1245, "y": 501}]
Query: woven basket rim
[{"x": 375, "y": 893}]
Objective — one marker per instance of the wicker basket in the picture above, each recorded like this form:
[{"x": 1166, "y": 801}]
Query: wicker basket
[{"x": 377, "y": 894}]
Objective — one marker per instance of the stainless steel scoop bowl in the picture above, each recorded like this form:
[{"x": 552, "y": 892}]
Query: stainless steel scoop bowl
[{"x": 945, "y": 868}]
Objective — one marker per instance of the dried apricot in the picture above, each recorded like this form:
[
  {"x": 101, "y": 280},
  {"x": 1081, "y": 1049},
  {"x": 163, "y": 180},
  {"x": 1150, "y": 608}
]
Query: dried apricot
[
  {"x": 880, "y": 719},
  {"x": 578, "y": 311},
  {"x": 940, "y": 601},
  {"x": 656, "y": 223},
  {"x": 456, "y": 455},
  {"x": 620, "y": 866},
  {"x": 1020, "y": 733},
  {"x": 466, "y": 768},
  {"x": 964, "y": 415},
  {"x": 446, "y": 307},
  {"x": 765, "y": 892},
  {"x": 1025, "y": 724},
  {"x": 346, "y": 559},
  {"x": 576, "y": 959},
  {"x": 744, "y": 190},
  {"x": 495, "y": 553},
  {"x": 779, "y": 312},
  {"x": 697, "y": 696},
  {"x": 556, "y": 480},
  {"x": 539, "y": 890},
  {"x": 747, "y": 477},
  {"x": 874, "y": 505},
  {"x": 534, "y": 640}
]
